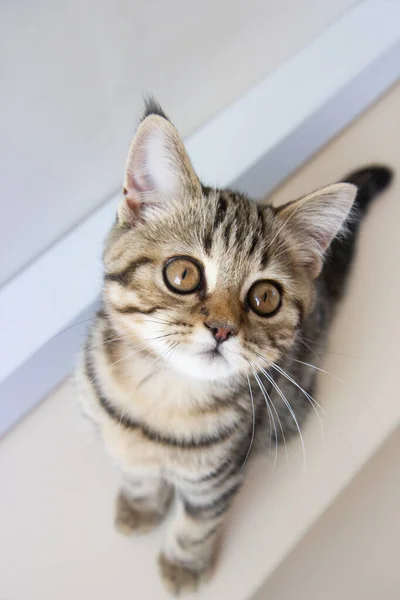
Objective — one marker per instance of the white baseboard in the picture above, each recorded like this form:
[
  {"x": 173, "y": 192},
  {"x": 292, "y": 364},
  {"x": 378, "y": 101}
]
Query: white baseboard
[{"x": 259, "y": 140}]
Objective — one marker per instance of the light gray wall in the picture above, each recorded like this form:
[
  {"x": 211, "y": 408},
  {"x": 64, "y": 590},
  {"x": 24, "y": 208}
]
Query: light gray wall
[{"x": 72, "y": 77}]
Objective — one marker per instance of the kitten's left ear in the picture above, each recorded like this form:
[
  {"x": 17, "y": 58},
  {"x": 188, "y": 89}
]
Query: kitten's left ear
[
  {"x": 315, "y": 220},
  {"x": 158, "y": 170}
]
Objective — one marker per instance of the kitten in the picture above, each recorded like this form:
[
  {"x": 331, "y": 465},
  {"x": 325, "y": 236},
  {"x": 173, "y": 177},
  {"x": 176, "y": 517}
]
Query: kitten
[{"x": 210, "y": 302}]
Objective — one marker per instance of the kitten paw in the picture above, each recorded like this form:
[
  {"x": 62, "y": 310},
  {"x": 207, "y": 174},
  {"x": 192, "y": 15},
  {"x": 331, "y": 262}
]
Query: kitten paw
[
  {"x": 179, "y": 579},
  {"x": 129, "y": 520}
]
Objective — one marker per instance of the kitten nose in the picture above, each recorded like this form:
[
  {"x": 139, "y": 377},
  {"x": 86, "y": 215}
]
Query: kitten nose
[{"x": 221, "y": 334}]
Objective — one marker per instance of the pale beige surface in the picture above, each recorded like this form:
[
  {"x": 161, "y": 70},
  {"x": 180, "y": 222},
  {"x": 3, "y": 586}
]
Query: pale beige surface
[
  {"x": 73, "y": 76},
  {"x": 352, "y": 552},
  {"x": 58, "y": 488}
]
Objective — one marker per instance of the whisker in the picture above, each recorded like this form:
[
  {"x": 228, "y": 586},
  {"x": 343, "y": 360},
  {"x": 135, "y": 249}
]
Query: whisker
[
  {"x": 71, "y": 327},
  {"x": 279, "y": 420},
  {"x": 280, "y": 424},
  {"x": 292, "y": 380},
  {"x": 170, "y": 352},
  {"x": 272, "y": 420},
  {"x": 121, "y": 417},
  {"x": 321, "y": 348},
  {"x": 312, "y": 400},
  {"x": 105, "y": 342},
  {"x": 254, "y": 421},
  {"x": 306, "y": 394},
  {"x": 154, "y": 319},
  {"x": 302, "y": 341},
  {"x": 376, "y": 415},
  {"x": 125, "y": 357},
  {"x": 289, "y": 407},
  {"x": 160, "y": 337}
]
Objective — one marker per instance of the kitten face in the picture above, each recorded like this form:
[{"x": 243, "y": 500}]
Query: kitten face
[{"x": 206, "y": 280}]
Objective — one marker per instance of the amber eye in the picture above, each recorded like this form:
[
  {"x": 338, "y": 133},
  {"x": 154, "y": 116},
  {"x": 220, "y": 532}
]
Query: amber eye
[
  {"x": 182, "y": 275},
  {"x": 264, "y": 298}
]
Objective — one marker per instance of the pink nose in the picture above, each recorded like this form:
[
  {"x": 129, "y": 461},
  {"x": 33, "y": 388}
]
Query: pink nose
[{"x": 221, "y": 334}]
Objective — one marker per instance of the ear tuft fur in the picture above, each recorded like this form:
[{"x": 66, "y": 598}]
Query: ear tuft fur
[
  {"x": 152, "y": 107},
  {"x": 158, "y": 170}
]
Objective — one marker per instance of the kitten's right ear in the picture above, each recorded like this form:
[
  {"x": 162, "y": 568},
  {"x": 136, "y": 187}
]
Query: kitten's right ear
[
  {"x": 158, "y": 170},
  {"x": 315, "y": 220}
]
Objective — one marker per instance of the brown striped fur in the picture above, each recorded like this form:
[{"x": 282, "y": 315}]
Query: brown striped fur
[{"x": 176, "y": 415}]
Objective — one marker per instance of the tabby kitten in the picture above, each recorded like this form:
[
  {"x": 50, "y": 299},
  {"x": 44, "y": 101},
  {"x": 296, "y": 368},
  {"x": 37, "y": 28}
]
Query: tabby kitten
[{"x": 208, "y": 301}]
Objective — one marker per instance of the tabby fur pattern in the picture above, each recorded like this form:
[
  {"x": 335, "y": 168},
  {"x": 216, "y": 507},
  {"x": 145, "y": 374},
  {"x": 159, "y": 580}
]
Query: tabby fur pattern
[{"x": 181, "y": 386}]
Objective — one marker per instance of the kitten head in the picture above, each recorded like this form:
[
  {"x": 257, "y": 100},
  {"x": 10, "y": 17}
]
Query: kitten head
[{"x": 205, "y": 279}]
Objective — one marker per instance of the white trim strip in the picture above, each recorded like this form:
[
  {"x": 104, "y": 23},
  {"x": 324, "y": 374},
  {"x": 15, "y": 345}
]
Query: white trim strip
[
  {"x": 257, "y": 141},
  {"x": 258, "y": 121}
]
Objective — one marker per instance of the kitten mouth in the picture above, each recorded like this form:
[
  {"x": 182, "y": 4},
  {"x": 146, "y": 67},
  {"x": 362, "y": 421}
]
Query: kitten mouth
[{"x": 213, "y": 354}]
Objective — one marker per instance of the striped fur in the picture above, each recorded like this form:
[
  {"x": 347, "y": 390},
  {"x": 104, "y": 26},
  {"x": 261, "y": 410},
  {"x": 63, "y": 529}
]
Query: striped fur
[{"x": 176, "y": 410}]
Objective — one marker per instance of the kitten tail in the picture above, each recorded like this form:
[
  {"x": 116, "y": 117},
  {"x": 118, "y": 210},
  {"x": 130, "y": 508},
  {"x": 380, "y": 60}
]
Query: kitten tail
[{"x": 371, "y": 182}]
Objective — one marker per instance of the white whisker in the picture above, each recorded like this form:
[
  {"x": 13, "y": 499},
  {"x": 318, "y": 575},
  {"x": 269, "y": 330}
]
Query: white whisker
[
  {"x": 279, "y": 422},
  {"x": 272, "y": 420},
  {"x": 121, "y": 359},
  {"x": 254, "y": 421},
  {"x": 105, "y": 342},
  {"x": 312, "y": 400},
  {"x": 343, "y": 383},
  {"x": 288, "y": 406}
]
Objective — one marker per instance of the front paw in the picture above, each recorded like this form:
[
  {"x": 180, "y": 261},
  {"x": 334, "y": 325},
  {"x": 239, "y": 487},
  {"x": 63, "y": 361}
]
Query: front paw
[
  {"x": 179, "y": 579},
  {"x": 129, "y": 520}
]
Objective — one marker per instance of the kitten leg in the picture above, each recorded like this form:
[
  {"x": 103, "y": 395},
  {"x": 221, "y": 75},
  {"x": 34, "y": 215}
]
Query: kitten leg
[
  {"x": 190, "y": 551},
  {"x": 141, "y": 504}
]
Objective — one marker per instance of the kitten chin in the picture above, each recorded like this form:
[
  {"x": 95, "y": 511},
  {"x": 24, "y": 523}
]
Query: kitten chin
[{"x": 207, "y": 365}]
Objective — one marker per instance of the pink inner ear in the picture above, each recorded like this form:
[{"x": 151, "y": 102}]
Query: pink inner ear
[
  {"x": 136, "y": 205},
  {"x": 322, "y": 238},
  {"x": 138, "y": 178},
  {"x": 136, "y": 184}
]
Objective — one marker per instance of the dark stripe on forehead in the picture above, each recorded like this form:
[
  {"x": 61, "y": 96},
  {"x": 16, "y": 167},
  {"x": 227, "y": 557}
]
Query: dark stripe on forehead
[
  {"x": 227, "y": 233},
  {"x": 220, "y": 211},
  {"x": 257, "y": 229},
  {"x": 264, "y": 256},
  {"x": 261, "y": 222},
  {"x": 207, "y": 241},
  {"x": 124, "y": 277},
  {"x": 254, "y": 243},
  {"x": 241, "y": 221}
]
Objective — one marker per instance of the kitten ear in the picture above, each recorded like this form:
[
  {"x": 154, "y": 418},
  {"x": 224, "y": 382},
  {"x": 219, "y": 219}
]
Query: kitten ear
[
  {"x": 315, "y": 220},
  {"x": 158, "y": 170}
]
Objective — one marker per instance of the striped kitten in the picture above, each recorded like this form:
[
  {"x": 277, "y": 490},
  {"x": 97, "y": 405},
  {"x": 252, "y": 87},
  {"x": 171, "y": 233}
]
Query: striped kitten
[{"x": 210, "y": 302}]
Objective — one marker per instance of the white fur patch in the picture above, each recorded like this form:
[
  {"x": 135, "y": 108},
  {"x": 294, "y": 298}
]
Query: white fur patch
[{"x": 211, "y": 271}]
